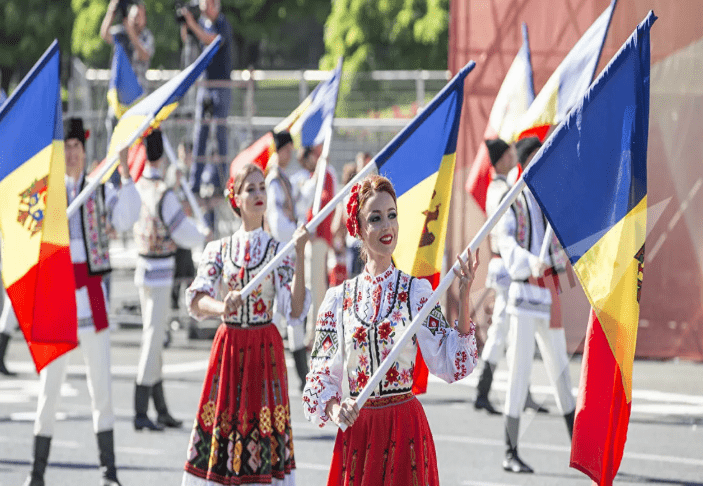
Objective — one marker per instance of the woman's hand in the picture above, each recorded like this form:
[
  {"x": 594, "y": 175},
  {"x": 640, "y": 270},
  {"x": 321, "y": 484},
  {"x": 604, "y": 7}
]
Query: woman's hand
[
  {"x": 300, "y": 237},
  {"x": 467, "y": 273},
  {"x": 233, "y": 301},
  {"x": 347, "y": 413}
]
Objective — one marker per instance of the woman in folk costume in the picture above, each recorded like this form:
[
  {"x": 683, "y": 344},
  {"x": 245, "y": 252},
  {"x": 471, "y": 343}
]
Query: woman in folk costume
[
  {"x": 388, "y": 441},
  {"x": 242, "y": 431}
]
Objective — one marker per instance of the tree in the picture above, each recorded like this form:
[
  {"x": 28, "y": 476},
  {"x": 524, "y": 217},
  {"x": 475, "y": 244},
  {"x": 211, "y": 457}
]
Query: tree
[
  {"x": 387, "y": 34},
  {"x": 27, "y": 28}
]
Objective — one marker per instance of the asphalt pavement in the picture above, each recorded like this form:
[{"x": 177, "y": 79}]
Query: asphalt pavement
[{"x": 664, "y": 447}]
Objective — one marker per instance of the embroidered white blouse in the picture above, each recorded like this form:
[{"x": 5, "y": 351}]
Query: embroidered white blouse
[
  {"x": 357, "y": 326},
  {"x": 220, "y": 271}
]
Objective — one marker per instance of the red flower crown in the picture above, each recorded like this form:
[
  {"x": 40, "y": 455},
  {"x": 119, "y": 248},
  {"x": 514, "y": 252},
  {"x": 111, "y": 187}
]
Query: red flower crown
[
  {"x": 229, "y": 192},
  {"x": 353, "y": 211}
]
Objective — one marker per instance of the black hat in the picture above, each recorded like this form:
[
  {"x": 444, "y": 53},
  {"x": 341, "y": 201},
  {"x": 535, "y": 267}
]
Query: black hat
[
  {"x": 154, "y": 145},
  {"x": 281, "y": 139},
  {"x": 525, "y": 147},
  {"x": 73, "y": 128},
  {"x": 496, "y": 149}
]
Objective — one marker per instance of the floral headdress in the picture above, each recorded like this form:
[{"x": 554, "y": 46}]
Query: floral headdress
[
  {"x": 229, "y": 193},
  {"x": 353, "y": 211}
]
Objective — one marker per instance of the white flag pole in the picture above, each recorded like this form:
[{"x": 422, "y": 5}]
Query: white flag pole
[
  {"x": 197, "y": 212},
  {"x": 544, "y": 251},
  {"x": 322, "y": 172},
  {"x": 109, "y": 166},
  {"x": 444, "y": 284}
]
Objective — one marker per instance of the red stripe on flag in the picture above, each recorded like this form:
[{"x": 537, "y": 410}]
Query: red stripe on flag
[
  {"x": 136, "y": 159},
  {"x": 420, "y": 372},
  {"x": 602, "y": 410},
  {"x": 481, "y": 173},
  {"x": 44, "y": 301},
  {"x": 540, "y": 131},
  {"x": 257, "y": 153}
]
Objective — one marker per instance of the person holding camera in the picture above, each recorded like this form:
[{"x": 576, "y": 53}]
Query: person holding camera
[
  {"x": 214, "y": 97},
  {"x": 134, "y": 35}
]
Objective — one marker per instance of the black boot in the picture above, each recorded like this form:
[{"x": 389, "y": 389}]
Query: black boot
[
  {"x": 512, "y": 462},
  {"x": 106, "y": 446},
  {"x": 569, "y": 417},
  {"x": 300, "y": 357},
  {"x": 4, "y": 339},
  {"x": 141, "y": 405},
  {"x": 41, "y": 458},
  {"x": 483, "y": 388},
  {"x": 164, "y": 418},
  {"x": 531, "y": 403}
]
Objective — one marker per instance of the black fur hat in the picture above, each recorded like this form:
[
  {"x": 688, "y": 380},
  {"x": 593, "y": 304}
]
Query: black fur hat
[
  {"x": 154, "y": 145},
  {"x": 496, "y": 149}
]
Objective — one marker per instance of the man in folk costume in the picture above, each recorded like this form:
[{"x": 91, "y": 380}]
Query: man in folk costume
[
  {"x": 161, "y": 227},
  {"x": 89, "y": 253},
  {"x": 520, "y": 233},
  {"x": 282, "y": 223},
  {"x": 504, "y": 161}
]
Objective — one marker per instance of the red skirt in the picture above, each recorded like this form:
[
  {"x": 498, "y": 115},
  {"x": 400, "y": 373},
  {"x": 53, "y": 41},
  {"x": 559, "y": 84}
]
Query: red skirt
[
  {"x": 390, "y": 444},
  {"x": 242, "y": 432}
]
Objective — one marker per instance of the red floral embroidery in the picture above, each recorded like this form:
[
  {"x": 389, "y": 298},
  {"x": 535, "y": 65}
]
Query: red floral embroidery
[
  {"x": 359, "y": 335},
  {"x": 362, "y": 379},
  {"x": 384, "y": 330},
  {"x": 402, "y": 296},
  {"x": 363, "y": 360},
  {"x": 353, "y": 211},
  {"x": 392, "y": 375},
  {"x": 397, "y": 316},
  {"x": 406, "y": 376},
  {"x": 347, "y": 303},
  {"x": 259, "y": 307}
]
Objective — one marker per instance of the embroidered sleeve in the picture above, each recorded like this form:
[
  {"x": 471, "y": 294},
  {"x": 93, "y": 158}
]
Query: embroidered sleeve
[
  {"x": 123, "y": 205},
  {"x": 448, "y": 354},
  {"x": 182, "y": 229},
  {"x": 208, "y": 278},
  {"x": 284, "y": 304},
  {"x": 324, "y": 381}
]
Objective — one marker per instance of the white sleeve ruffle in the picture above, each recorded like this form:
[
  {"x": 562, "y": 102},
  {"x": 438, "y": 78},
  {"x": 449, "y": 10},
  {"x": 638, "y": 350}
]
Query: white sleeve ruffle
[
  {"x": 449, "y": 355},
  {"x": 324, "y": 381},
  {"x": 208, "y": 277}
]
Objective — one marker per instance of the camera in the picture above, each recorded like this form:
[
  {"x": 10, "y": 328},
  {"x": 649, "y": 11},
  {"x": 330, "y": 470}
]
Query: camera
[{"x": 193, "y": 6}]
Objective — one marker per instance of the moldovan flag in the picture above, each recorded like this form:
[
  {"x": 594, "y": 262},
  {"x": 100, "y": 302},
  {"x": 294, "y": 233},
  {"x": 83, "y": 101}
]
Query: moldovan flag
[
  {"x": 514, "y": 98},
  {"x": 308, "y": 124},
  {"x": 37, "y": 270},
  {"x": 590, "y": 179},
  {"x": 123, "y": 88},
  {"x": 567, "y": 85},
  {"x": 419, "y": 162},
  {"x": 156, "y": 107}
]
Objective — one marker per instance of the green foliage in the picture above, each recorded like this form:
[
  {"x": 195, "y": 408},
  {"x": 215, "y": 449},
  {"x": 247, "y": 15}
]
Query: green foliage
[{"x": 27, "y": 28}]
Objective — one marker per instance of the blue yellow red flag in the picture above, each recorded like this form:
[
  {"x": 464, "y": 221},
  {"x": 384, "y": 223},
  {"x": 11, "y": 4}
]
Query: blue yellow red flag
[
  {"x": 156, "y": 107},
  {"x": 307, "y": 124},
  {"x": 512, "y": 101},
  {"x": 420, "y": 162},
  {"x": 590, "y": 179},
  {"x": 37, "y": 270},
  {"x": 123, "y": 88},
  {"x": 567, "y": 85}
]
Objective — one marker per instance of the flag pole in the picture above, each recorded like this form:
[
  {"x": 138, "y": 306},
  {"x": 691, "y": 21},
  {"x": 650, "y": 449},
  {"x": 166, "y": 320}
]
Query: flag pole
[
  {"x": 322, "y": 172},
  {"x": 444, "y": 284},
  {"x": 109, "y": 166},
  {"x": 171, "y": 155},
  {"x": 544, "y": 251}
]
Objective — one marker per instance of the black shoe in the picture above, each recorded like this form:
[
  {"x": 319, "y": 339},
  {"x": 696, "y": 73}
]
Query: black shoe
[
  {"x": 513, "y": 463},
  {"x": 144, "y": 422},
  {"x": 483, "y": 403},
  {"x": 166, "y": 420}
]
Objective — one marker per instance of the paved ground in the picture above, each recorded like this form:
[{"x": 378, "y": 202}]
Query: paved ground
[{"x": 665, "y": 442}]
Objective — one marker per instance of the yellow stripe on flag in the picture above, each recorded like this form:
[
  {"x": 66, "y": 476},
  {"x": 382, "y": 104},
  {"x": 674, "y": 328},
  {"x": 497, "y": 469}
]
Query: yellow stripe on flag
[
  {"x": 610, "y": 273},
  {"x": 55, "y": 227},
  {"x": 542, "y": 111},
  {"x": 18, "y": 237}
]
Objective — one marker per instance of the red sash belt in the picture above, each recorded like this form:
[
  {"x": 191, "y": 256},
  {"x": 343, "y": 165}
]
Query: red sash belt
[{"x": 95, "y": 294}]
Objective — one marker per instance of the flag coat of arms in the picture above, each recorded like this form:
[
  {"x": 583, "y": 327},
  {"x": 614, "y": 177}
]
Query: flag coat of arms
[
  {"x": 514, "y": 98},
  {"x": 37, "y": 270},
  {"x": 590, "y": 179},
  {"x": 567, "y": 85}
]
